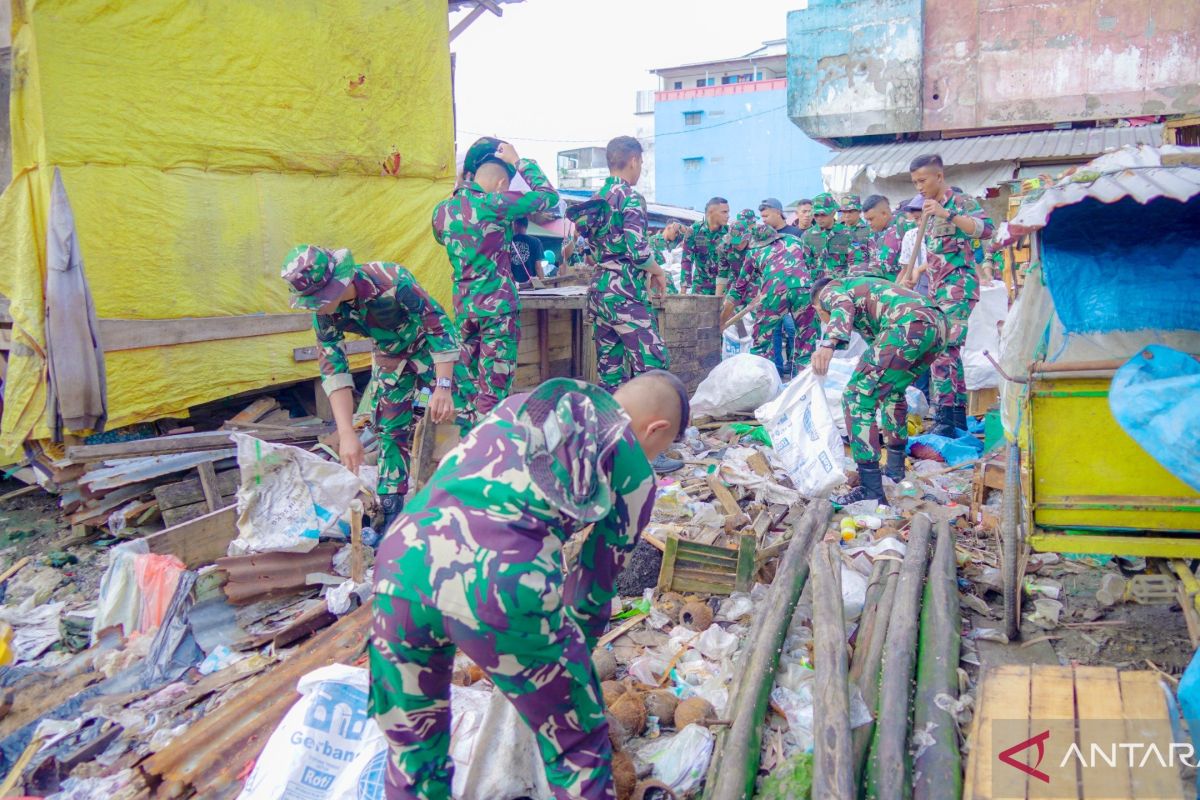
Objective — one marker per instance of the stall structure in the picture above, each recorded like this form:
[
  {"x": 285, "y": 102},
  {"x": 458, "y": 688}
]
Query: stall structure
[{"x": 1113, "y": 273}]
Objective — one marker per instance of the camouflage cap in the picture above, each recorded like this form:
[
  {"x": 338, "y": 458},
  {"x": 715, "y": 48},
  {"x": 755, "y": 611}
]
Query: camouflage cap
[
  {"x": 571, "y": 428},
  {"x": 317, "y": 275},
  {"x": 483, "y": 152},
  {"x": 755, "y": 234},
  {"x": 851, "y": 202},
  {"x": 824, "y": 204}
]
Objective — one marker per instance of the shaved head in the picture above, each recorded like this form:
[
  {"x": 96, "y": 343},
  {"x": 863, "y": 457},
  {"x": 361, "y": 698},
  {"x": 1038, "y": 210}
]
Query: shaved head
[
  {"x": 658, "y": 407},
  {"x": 492, "y": 177}
]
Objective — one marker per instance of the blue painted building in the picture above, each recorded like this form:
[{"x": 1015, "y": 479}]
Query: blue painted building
[{"x": 722, "y": 128}]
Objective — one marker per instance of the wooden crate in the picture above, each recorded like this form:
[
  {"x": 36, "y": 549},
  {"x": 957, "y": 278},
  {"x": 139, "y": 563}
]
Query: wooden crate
[
  {"x": 980, "y": 400},
  {"x": 1034, "y": 716},
  {"x": 690, "y": 327}
]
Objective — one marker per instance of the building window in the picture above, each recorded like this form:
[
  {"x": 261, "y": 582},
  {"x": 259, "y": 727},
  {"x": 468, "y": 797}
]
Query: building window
[
  {"x": 678, "y": 84},
  {"x": 728, "y": 79},
  {"x": 692, "y": 117},
  {"x": 758, "y": 75},
  {"x": 693, "y": 164}
]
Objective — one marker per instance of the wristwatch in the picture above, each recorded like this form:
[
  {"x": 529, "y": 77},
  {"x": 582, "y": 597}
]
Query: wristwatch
[{"x": 444, "y": 383}]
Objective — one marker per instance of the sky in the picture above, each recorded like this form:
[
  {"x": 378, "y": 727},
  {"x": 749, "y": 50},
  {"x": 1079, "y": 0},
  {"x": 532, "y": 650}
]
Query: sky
[{"x": 551, "y": 75}]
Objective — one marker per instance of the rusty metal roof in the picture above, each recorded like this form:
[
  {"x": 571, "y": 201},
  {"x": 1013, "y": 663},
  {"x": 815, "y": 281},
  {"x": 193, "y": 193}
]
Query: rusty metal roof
[
  {"x": 1142, "y": 173},
  {"x": 262, "y": 575},
  {"x": 885, "y": 160}
]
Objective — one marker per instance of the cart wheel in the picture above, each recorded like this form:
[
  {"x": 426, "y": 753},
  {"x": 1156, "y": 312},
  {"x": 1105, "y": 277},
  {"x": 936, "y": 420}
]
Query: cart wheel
[{"x": 1009, "y": 544}]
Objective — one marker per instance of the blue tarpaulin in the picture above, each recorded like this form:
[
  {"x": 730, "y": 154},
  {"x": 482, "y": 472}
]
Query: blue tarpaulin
[
  {"x": 1154, "y": 399},
  {"x": 1124, "y": 266}
]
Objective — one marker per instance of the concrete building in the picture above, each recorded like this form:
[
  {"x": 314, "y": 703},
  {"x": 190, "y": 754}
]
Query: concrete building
[
  {"x": 1001, "y": 90},
  {"x": 721, "y": 128},
  {"x": 584, "y": 168}
]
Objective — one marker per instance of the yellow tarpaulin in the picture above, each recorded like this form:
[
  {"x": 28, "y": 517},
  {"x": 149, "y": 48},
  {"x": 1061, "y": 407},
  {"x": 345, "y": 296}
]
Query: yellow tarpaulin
[{"x": 199, "y": 142}]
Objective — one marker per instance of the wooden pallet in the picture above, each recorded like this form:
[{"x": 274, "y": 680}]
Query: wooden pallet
[
  {"x": 1063, "y": 706},
  {"x": 691, "y": 567}
]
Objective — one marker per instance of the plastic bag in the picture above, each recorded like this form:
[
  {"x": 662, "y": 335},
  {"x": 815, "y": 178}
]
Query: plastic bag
[
  {"x": 157, "y": 577},
  {"x": 854, "y": 593},
  {"x": 740, "y": 383},
  {"x": 716, "y": 644},
  {"x": 327, "y": 747},
  {"x": 804, "y": 436},
  {"x": 682, "y": 760},
  {"x": 290, "y": 497},
  {"x": 120, "y": 601},
  {"x": 955, "y": 451},
  {"x": 499, "y": 759},
  {"x": 732, "y": 344}
]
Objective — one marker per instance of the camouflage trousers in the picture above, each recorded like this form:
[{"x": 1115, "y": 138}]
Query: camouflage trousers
[
  {"x": 484, "y": 374},
  {"x": 703, "y": 281},
  {"x": 948, "y": 382},
  {"x": 397, "y": 380},
  {"x": 808, "y": 334},
  {"x": 625, "y": 329},
  {"x": 548, "y": 678},
  {"x": 888, "y": 367}
]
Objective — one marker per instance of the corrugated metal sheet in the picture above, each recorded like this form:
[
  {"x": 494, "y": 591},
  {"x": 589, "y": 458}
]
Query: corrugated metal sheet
[
  {"x": 884, "y": 160},
  {"x": 1136, "y": 172},
  {"x": 264, "y": 575}
]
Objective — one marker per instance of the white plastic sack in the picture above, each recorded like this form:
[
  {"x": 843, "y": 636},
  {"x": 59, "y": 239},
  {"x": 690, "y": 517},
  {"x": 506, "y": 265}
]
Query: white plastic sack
[
  {"x": 804, "y": 436},
  {"x": 740, "y": 383},
  {"x": 120, "y": 600},
  {"x": 733, "y": 344},
  {"x": 982, "y": 334},
  {"x": 835, "y": 379},
  {"x": 854, "y": 593},
  {"x": 290, "y": 497},
  {"x": 680, "y": 761},
  {"x": 327, "y": 747},
  {"x": 500, "y": 760}
]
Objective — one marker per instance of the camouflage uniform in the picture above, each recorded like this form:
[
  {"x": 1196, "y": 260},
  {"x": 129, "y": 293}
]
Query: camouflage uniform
[
  {"x": 704, "y": 260},
  {"x": 411, "y": 333},
  {"x": 778, "y": 273},
  {"x": 475, "y": 562},
  {"x": 625, "y": 326},
  {"x": 954, "y": 288},
  {"x": 884, "y": 258},
  {"x": 904, "y": 333},
  {"x": 836, "y": 250},
  {"x": 476, "y": 229}
]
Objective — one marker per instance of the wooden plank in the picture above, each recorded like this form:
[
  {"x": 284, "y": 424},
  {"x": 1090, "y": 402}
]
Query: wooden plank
[
  {"x": 189, "y": 491},
  {"x": 758, "y": 462},
  {"x": 181, "y": 514},
  {"x": 1052, "y": 707},
  {"x": 1097, "y": 705},
  {"x": 1144, "y": 707},
  {"x": 199, "y": 541},
  {"x": 14, "y": 568},
  {"x": 184, "y": 443},
  {"x": 208, "y": 485},
  {"x": 1003, "y": 695},
  {"x": 666, "y": 573},
  {"x": 723, "y": 495},
  {"x": 133, "y": 334},
  {"x": 350, "y": 347},
  {"x": 256, "y": 410},
  {"x": 620, "y": 630},
  {"x": 745, "y": 565}
]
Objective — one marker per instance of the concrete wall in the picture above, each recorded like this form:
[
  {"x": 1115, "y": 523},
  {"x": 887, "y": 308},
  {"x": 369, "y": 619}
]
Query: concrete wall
[
  {"x": 991, "y": 63},
  {"x": 854, "y": 67},
  {"x": 748, "y": 147}
]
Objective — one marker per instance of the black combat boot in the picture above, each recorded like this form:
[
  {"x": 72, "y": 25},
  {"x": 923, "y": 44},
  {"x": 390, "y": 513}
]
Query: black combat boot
[
  {"x": 870, "y": 486},
  {"x": 895, "y": 463},
  {"x": 392, "y": 505},
  {"x": 960, "y": 418},
  {"x": 944, "y": 417}
]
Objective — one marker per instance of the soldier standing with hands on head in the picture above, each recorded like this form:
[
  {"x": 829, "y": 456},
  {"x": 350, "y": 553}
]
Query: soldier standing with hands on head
[
  {"x": 475, "y": 225},
  {"x": 415, "y": 346},
  {"x": 954, "y": 220}
]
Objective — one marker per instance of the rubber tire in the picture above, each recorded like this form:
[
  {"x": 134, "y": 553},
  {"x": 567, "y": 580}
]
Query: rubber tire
[{"x": 1010, "y": 526}]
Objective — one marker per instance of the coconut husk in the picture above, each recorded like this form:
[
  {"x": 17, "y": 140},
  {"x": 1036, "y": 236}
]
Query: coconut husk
[
  {"x": 696, "y": 615},
  {"x": 611, "y": 690},
  {"x": 624, "y": 775},
  {"x": 662, "y": 703},
  {"x": 694, "y": 709},
  {"x": 604, "y": 663},
  {"x": 630, "y": 710}
]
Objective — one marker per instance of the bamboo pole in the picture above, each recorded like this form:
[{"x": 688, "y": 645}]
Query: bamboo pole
[
  {"x": 865, "y": 671},
  {"x": 888, "y": 769},
  {"x": 937, "y": 772},
  {"x": 833, "y": 759},
  {"x": 734, "y": 769}
]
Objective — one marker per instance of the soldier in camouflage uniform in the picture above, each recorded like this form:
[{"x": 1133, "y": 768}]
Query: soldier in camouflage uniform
[
  {"x": 414, "y": 344},
  {"x": 904, "y": 334},
  {"x": 955, "y": 219},
  {"x": 887, "y": 237},
  {"x": 625, "y": 326},
  {"x": 830, "y": 247},
  {"x": 475, "y": 226},
  {"x": 850, "y": 213},
  {"x": 703, "y": 258},
  {"x": 476, "y": 563},
  {"x": 776, "y": 275}
]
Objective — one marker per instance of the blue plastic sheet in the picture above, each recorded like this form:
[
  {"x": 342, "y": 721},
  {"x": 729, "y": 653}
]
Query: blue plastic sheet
[
  {"x": 965, "y": 448},
  {"x": 1124, "y": 266},
  {"x": 1189, "y": 700},
  {"x": 1154, "y": 399}
]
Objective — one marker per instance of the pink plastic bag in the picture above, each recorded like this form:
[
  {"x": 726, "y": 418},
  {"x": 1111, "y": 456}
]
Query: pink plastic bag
[{"x": 157, "y": 577}]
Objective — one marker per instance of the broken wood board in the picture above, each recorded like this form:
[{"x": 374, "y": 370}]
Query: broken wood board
[
  {"x": 184, "y": 443},
  {"x": 190, "y": 491},
  {"x": 199, "y": 541},
  {"x": 725, "y": 497},
  {"x": 693, "y": 567}
]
